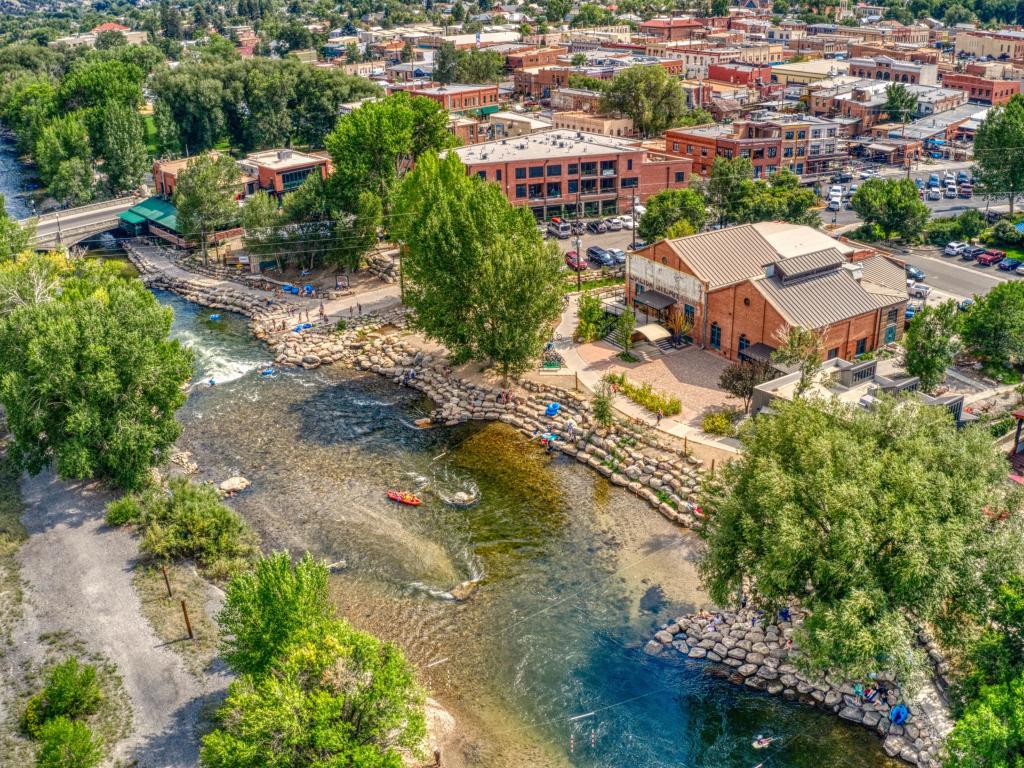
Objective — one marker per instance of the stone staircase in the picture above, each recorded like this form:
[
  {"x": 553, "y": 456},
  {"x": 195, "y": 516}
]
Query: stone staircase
[{"x": 643, "y": 351}]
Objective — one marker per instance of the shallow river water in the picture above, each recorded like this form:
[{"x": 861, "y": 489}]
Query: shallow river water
[{"x": 543, "y": 665}]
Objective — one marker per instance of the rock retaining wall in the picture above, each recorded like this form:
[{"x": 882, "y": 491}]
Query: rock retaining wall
[{"x": 761, "y": 655}]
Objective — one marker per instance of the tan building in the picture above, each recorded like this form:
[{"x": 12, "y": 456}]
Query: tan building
[
  {"x": 802, "y": 72},
  {"x": 1005, "y": 44},
  {"x": 591, "y": 123}
]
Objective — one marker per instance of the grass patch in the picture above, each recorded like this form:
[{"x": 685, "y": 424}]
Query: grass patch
[
  {"x": 602, "y": 282},
  {"x": 164, "y": 613},
  {"x": 720, "y": 422},
  {"x": 12, "y": 534},
  {"x": 1001, "y": 373},
  {"x": 149, "y": 128},
  {"x": 645, "y": 395}
]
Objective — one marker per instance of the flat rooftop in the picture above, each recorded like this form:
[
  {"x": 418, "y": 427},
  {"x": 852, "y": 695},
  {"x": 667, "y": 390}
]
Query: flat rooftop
[
  {"x": 281, "y": 159},
  {"x": 441, "y": 90},
  {"x": 546, "y": 145}
]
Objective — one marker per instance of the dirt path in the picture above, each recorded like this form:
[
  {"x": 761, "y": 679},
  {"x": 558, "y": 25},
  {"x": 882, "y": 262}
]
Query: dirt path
[{"x": 77, "y": 575}]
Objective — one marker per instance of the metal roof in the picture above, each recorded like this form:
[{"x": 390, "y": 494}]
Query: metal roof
[
  {"x": 818, "y": 302},
  {"x": 725, "y": 256},
  {"x": 655, "y": 299},
  {"x": 154, "y": 209},
  {"x": 809, "y": 264},
  {"x": 885, "y": 274}
]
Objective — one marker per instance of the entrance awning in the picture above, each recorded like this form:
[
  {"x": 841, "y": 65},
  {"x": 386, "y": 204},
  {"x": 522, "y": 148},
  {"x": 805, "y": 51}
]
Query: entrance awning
[
  {"x": 654, "y": 299},
  {"x": 757, "y": 353},
  {"x": 887, "y": 149},
  {"x": 653, "y": 332}
]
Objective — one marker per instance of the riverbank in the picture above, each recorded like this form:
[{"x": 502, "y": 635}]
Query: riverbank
[{"x": 761, "y": 655}]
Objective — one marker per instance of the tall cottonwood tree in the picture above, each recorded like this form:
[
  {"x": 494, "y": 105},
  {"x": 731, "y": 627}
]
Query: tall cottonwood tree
[{"x": 999, "y": 152}]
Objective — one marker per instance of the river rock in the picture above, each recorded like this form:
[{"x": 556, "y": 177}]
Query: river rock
[
  {"x": 235, "y": 484},
  {"x": 697, "y": 653},
  {"x": 465, "y": 590},
  {"x": 653, "y": 648},
  {"x": 663, "y": 637},
  {"x": 747, "y": 669},
  {"x": 852, "y": 714}
]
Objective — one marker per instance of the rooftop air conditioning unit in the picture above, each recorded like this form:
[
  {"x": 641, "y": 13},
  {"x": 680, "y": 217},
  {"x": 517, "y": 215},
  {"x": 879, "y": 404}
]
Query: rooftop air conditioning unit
[{"x": 284, "y": 154}]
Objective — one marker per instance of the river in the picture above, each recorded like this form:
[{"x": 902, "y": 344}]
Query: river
[
  {"x": 543, "y": 665},
  {"x": 13, "y": 181}
]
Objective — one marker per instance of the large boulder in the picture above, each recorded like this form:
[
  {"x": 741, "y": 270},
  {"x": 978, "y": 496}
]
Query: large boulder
[{"x": 235, "y": 484}]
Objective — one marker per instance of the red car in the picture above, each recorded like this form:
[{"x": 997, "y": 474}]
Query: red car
[
  {"x": 990, "y": 257},
  {"x": 573, "y": 261}
]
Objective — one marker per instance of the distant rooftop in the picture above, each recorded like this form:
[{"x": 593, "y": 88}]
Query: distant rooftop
[
  {"x": 281, "y": 159},
  {"x": 544, "y": 145}
]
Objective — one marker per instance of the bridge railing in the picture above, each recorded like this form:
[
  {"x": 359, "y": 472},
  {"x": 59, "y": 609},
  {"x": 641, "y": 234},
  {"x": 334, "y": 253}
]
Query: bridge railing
[
  {"x": 129, "y": 201},
  {"x": 71, "y": 235}
]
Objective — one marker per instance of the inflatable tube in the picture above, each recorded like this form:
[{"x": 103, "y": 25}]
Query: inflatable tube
[{"x": 215, "y": 317}]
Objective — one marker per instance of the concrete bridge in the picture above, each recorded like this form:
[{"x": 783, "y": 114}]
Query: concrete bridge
[{"x": 67, "y": 227}]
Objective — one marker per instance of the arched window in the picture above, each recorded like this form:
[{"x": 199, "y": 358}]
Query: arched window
[{"x": 716, "y": 336}]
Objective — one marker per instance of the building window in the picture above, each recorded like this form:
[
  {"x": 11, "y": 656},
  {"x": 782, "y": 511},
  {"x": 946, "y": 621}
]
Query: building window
[
  {"x": 497, "y": 175},
  {"x": 629, "y": 165},
  {"x": 743, "y": 342},
  {"x": 554, "y": 189},
  {"x": 482, "y": 175},
  {"x": 703, "y": 151},
  {"x": 787, "y": 152},
  {"x": 588, "y": 169},
  {"x": 862, "y": 346},
  {"x": 789, "y": 135},
  {"x": 801, "y": 134},
  {"x": 520, "y": 190},
  {"x": 680, "y": 177},
  {"x": 554, "y": 170},
  {"x": 607, "y": 185},
  {"x": 675, "y": 146},
  {"x": 607, "y": 167},
  {"x": 293, "y": 179},
  {"x": 573, "y": 169},
  {"x": 716, "y": 336},
  {"x": 536, "y": 171},
  {"x": 689, "y": 149},
  {"x": 688, "y": 314},
  {"x": 520, "y": 173},
  {"x": 773, "y": 151},
  {"x": 833, "y": 353},
  {"x": 536, "y": 191},
  {"x": 630, "y": 182},
  {"x": 574, "y": 186}
]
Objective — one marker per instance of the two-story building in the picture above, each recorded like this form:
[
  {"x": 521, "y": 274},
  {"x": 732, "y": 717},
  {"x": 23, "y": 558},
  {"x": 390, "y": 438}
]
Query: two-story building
[
  {"x": 739, "y": 288},
  {"x": 569, "y": 173},
  {"x": 463, "y": 98}
]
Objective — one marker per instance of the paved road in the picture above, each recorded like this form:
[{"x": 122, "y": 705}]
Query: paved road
[
  {"x": 959, "y": 278},
  {"x": 75, "y": 220}
]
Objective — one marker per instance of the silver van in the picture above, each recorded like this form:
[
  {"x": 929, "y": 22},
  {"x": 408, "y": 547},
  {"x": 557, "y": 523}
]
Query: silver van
[{"x": 560, "y": 228}]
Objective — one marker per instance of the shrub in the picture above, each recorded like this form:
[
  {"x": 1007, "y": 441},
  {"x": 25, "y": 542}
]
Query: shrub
[
  {"x": 68, "y": 744},
  {"x": 123, "y": 511},
  {"x": 594, "y": 323},
  {"x": 646, "y": 396},
  {"x": 1001, "y": 426},
  {"x": 867, "y": 233},
  {"x": 71, "y": 691},
  {"x": 718, "y": 423},
  {"x": 602, "y": 405},
  {"x": 966, "y": 226},
  {"x": 191, "y": 521},
  {"x": 1005, "y": 232},
  {"x": 340, "y": 325}
]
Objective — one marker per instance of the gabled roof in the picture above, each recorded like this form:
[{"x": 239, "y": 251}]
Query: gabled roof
[
  {"x": 820, "y": 301},
  {"x": 154, "y": 209}
]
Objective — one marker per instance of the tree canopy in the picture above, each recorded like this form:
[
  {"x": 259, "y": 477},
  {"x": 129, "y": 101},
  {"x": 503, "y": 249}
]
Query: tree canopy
[
  {"x": 931, "y": 343},
  {"x": 826, "y": 508},
  {"x": 668, "y": 207},
  {"x": 736, "y": 197},
  {"x": 90, "y": 380},
  {"x": 14, "y": 238},
  {"x": 900, "y": 102},
  {"x": 894, "y": 205},
  {"x": 204, "y": 196},
  {"x": 648, "y": 95},
  {"x": 477, "y": 273},
  {"x": 993, "y": 327},
  {"x": 998, "y": 157}
]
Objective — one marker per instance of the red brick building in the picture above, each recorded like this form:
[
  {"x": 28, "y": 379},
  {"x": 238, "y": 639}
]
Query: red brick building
[
  {"x": 459, "y": 98},
  {"x": 676, "y": 28},
  {"x": 562, "y": 173},
  {"x": 739, "y": 287},
  {"x": 984, "y": 90},
  {"x": 800, "y": 144},
  {"x": 278, "y": 171},
  {"x": 740, "y": 74},
  {"x": 535, "y": 57}
]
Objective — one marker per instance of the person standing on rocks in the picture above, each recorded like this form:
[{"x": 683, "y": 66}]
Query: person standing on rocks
[{"x": 659, "y": 417}]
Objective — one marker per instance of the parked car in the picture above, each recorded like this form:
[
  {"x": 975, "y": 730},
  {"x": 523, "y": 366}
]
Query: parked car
[
  {"x": 559, "y": 228},
  {"x": 867, "y": 173},
  {"x": 914, "y": 273},
  {"x": 1009, "y": 264},
  {"x": 1020, "y": 270},
  {"x": 966, "y": 304},
  {"x": 834, "y": 204},
  {"x": 601, "y": 256},
  {"x": 963, "y": 178},
  {"x": 971, "y": 252},
  {"x": 613, "y": 224},
  {"x": 933, "y": 180},
  {"x": 910, "y": 312},
  {"x": 836, "y": 190},
  {"x": 934, "y": 193},
  {"x": 578, "y": 227},
  {"x": 573, "y": 261},
  {"x": 954, "y": 248},
  {"x": 950, "y": 192},
  {"x": 966, "y": 191},
  {"x": 842, "y": 177},
  {"x": 919, "y": 183},
  {"x": 918, "y": 290},
  {"x": 627, "y": 222},
  {"x": 990, "y": 256},
  {"x": 618, "y": 254},
  {"x": 597, "y": 227},
  {"x": 638, "y": 244}
]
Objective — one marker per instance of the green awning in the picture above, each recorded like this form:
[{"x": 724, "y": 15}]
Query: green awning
[
  {"x": 129, "y": 217},
  {"x": 155, "y": 210}
]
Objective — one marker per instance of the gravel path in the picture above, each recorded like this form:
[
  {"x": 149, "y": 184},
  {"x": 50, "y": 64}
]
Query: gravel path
[{"x": 77, "y": 575}]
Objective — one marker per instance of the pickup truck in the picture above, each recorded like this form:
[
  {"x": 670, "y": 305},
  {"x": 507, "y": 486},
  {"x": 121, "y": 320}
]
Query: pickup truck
[
  {"x": 918, "y": 290},
  {"x": 989, "y": 257}
]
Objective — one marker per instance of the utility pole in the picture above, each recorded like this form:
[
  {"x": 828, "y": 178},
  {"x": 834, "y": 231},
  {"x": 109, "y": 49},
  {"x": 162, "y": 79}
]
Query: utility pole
[{"x": 632, "y": 213}]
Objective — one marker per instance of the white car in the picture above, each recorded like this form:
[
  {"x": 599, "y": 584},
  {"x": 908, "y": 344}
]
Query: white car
[
  {"x": 627, "y": 221},
  {"x": 836, "y": 190},
  {"x": 918, "y": 290},
  {"x": 954, "y": 248},
  {"x": 867, "y": 173},
  {"x": 934, "y": 193},
  {"x": 834, "y": 204}
]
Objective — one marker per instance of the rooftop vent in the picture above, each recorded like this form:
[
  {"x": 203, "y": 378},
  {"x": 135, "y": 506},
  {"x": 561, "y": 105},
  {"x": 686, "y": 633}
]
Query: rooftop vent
[{"x": 284, "y": 154}]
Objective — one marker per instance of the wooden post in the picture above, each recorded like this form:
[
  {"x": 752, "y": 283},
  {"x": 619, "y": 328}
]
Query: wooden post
[
  {"x": 167, "y": 582},
  {"x": 685, "y": 444},
  {"x": 712, "y": 466},
  {"x": 188, "y": 624}
]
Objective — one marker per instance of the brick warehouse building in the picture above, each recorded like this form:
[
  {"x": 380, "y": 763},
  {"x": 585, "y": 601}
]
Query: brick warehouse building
[
  {"x": 562, "y": 172},
  {"x": 739, "y": 286}
]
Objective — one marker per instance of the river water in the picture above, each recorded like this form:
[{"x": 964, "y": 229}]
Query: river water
[
  {"x": 574, "y": 573},
  {"x": 13, "y": 181}
]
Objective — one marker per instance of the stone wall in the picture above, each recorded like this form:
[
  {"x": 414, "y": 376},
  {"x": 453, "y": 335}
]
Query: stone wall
[{"x": 761, "y": 656}]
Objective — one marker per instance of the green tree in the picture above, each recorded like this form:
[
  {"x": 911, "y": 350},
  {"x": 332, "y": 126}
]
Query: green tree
[
  {"x": 999, "y": 163},
  {"x": 647, "y": 95},
  {"x": 557, "y": 10},
  {"x": 679, "y": 228},
  {"x": 261, "y": 223},
  {"x": 803, "y": 348},
  {"x": 14, "y": 238},
  {"x": 90, "y": 380},
  {"x": 64, "y": 138},
  {"x": 740, "y": 378},
  {"x": 27, "y": 105},
  {"x": 110, "y": 38},
  {"x": 334, "y": 697},
  {"x": 900, "y": 102},
  {"x": 95, "y": 82},
  {"x": 68, "y": 744},
  {"x": 480, "y": 66},
  {"x": 729, "y": 185},
  {"x": 668, "y": 207},
  {"x": 625, "y": 324},
  {"x": 73, "y": 183},
  {"x": 204, "y": 196},
  {"x": 446, "y": 63},
  {"x": 894, "y": 205},
  {"x": 695, "y": 116},
  {"x": 591, "y": 15},
  {"x": 993, "y": 328},
  {"x": 348, "y": 250},
  {"x": 267, "y": 607},
  {"x": 931, "y": 343},
  {"x": 122, "y": 147},
  {"x": 781, "y": 198},
  {"x": 579, "y": 59},
  {"x": 374, "y": 145},
  {"x": 817, "y": 509},
  {"x": 477, "y": 273},
  {"x": 601, "y": 405}
]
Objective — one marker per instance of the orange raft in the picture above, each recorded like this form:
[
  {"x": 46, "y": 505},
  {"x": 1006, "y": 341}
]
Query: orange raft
[{"x": 404, "y": 497}]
